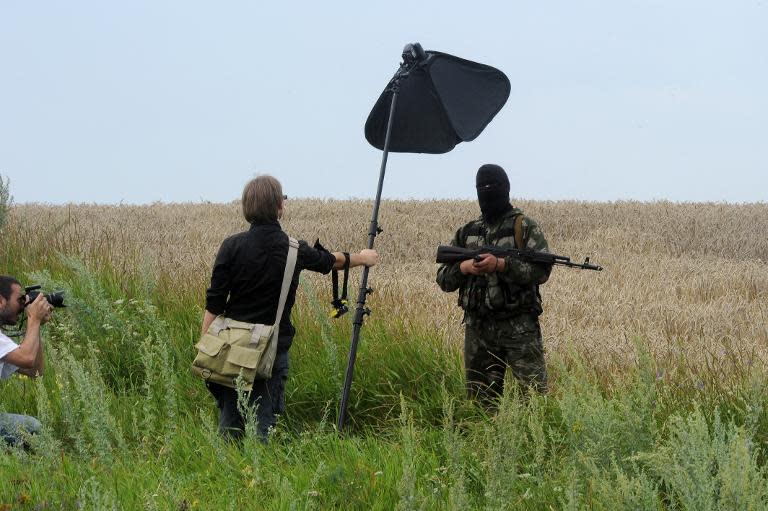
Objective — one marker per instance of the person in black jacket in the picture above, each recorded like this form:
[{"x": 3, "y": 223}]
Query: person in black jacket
[{"x": 245, "y": 286}]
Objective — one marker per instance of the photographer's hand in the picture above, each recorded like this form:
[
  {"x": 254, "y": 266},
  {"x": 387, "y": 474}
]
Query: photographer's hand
[
  {"x": 28, "y": 357},
  {"x": 39, "y": 311}
]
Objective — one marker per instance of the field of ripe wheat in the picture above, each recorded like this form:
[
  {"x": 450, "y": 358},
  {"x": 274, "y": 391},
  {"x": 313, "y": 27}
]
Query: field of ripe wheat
[{"x": 692, "y": 279}]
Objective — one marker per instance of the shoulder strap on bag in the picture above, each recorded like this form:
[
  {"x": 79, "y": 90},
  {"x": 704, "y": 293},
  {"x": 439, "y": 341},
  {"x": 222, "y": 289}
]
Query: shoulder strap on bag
[
  {"x": 264, "y": 368},
  {"x": 290, "y": 265}
]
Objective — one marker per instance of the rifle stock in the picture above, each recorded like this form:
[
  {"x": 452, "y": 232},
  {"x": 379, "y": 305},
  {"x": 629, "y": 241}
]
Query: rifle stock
[{"x": 448, "y": 254}]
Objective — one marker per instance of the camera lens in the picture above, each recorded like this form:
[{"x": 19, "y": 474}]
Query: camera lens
[{"x": 56, "y": 299}]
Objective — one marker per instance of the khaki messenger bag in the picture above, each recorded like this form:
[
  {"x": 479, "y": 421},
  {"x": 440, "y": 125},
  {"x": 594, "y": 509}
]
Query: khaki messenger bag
[{"x": 232, "y": 348}]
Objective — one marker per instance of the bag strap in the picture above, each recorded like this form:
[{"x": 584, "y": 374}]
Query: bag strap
[{"x": 290, "y": 265}]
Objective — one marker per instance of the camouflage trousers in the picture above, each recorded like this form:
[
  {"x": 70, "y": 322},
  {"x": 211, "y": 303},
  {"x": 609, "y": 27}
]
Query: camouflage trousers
[{"x": 493, "y": 345}]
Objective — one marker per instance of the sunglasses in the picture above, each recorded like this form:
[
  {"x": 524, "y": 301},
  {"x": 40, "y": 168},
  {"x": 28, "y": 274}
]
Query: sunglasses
[{"x": 285, "y": 197}]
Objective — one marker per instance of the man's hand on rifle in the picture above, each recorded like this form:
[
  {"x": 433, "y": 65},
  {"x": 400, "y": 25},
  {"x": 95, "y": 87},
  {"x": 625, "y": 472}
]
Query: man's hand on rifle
[{"x": 488, "y": 263}]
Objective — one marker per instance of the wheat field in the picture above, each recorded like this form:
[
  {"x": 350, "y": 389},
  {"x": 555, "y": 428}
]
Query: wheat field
[{"x": 690, "y": 279}]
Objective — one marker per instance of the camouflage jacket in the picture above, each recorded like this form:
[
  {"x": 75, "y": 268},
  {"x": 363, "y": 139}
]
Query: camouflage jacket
[{"x": 502, "y": 294}]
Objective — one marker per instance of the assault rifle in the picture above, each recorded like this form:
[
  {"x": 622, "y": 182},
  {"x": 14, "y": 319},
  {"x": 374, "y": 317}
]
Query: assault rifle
[{"x": 449, "y": 254}]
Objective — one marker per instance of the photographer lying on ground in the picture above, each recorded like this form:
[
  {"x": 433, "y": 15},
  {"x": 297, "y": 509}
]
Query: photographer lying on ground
[{"x": 26, "y": 358}]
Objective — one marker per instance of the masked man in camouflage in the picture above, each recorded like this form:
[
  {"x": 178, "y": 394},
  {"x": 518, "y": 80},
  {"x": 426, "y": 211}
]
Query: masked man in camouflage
[{"x": 500, "y": 296}]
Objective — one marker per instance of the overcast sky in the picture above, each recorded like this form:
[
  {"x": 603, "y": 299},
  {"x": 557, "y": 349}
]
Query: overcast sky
[{"x": 171, "y": 101}]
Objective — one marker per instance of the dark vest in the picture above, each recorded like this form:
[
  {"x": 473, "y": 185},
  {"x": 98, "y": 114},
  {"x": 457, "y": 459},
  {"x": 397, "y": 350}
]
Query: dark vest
[{"x": 492, "y": 295}]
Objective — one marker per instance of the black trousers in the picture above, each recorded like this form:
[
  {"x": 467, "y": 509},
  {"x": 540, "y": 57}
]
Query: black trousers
[{"x": 266, "y": 399}]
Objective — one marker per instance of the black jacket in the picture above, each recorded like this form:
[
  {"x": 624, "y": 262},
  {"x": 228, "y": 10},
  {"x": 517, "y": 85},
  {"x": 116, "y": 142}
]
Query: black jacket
[{"x": 248, "y": 274}]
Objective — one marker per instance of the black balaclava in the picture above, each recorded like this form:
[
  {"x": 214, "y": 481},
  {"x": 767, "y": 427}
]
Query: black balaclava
[{"x": 492, "y": 192}]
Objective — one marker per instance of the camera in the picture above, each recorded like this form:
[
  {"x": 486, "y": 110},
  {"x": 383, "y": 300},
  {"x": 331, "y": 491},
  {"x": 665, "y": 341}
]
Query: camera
[{"x": 56, "y": 298}]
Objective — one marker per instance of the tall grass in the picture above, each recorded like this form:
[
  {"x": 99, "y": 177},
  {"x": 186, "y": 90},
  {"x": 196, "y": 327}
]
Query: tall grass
[{"x": 657, "y": 368}]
